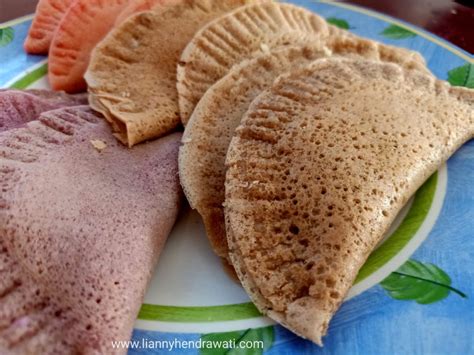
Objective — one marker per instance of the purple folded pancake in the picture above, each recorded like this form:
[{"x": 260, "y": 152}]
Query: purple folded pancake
[
  {"x": 18, "y": 107},
  {"x": 80, "y": 232}
]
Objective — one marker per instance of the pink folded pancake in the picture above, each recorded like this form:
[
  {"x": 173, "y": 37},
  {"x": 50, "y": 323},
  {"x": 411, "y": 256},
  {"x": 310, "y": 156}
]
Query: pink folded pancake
[
  {"x": 18, "y": 107},
  {"x": 48, "y": 14},
  {"x": 81, "y": 229}
]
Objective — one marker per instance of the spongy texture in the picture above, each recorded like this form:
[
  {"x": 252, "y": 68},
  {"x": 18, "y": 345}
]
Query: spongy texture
[
  {"x": 242, "y": 34},
  {"x": 20, "y": 106},
  {"x": 141, "y": 6},
  {"x": 319, "y": 168},
  {"x": 132, "y": 73},
  {"x": 213, "y": 122},
  {"x": 80, "y": 232}
]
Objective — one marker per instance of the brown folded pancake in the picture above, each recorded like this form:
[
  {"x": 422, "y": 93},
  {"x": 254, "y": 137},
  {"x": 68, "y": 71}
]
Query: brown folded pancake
[
  {"x": 132, "y": 72},
  {"x": 319, "y": 168},
  {"x": 81, "y": 229},
  {"x": 242, "y": 34},
  {"x": 213, "y": 122}
]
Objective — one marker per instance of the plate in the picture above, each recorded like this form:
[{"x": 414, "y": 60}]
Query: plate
[{"x": 192, "y": 306}]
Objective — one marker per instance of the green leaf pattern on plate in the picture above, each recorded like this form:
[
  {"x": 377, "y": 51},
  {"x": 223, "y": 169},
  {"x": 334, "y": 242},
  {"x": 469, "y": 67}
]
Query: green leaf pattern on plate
[
  {"x": 6, "y": 36},
  {"x": 462, "y": 76},
  {"x": 397, "y": 32},
  {"x": 237, "y": 342},
  {"x": 338, "y": 22},
  {"x": 423, "y": 283}
]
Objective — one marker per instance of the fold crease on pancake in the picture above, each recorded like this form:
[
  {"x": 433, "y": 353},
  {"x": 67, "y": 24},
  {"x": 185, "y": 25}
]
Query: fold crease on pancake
[
  {"x": 319, "y": 168},
  {"x": 213, "y": 122},
  {"x": 137, "y": 6},
  {"x": 80, "y": 232},
  {"x": 132, "y": 72},
  {"x": 242, "y": 34},
  {"x": 20, "y": 106}
]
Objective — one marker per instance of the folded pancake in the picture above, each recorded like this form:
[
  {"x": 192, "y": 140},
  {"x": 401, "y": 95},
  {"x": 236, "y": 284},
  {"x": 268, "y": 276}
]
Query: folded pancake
[
  {"x": 319, "y": 168},
  {"x": 20, "y": 106},
  {"x": 81, "y": 229},
  {"x": 213, "y": 122},
  {"x": 132, "y": 72},
  {"x": 242, "y": 34}
]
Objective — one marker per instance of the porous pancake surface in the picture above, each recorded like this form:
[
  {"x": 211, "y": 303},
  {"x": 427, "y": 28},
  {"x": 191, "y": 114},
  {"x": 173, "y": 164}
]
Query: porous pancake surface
[
  {"x": 81, "y": 229},
  {"x": 319, "y": 168},
  {"x": 20, "y": 106},
  {"x": 213, "y": 122},
  {"x": 242, "y": 34},
  {"x": 132, "y": 72}
]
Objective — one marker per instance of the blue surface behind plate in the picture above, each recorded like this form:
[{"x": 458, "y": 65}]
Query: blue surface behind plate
[
  {"x": 374, "y": 323},
  {"x": 13, "y": 60}
]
